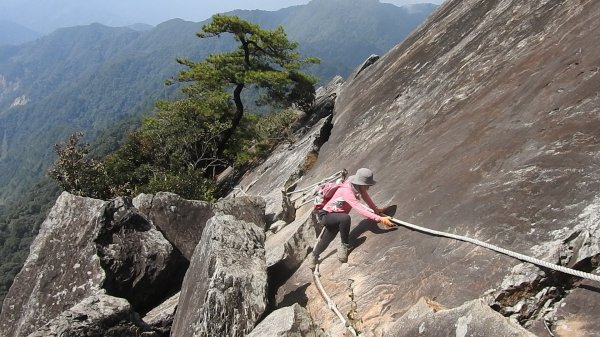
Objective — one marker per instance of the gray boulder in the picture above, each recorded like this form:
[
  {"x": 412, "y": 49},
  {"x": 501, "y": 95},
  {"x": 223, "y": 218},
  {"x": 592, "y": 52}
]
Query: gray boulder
[
  {"x": 367, "y": 63},
  {"x": 85, "y": 246},
  {"x": 181, "y": 221},
  {"x": 245, "y": 208},
  {"x": 140, "y": 264},
  {"x": 286, "y": 249},
  {"x": 161, "y": 317},
  {"x": 324, "y": 101},
  {"x": 97, "y": 316},
  {"x": 430, "y": 319},
  {"x": 292, "y": 321},
  {"x": 278, "y": 208},
  {"x": 224, "y": 292}
]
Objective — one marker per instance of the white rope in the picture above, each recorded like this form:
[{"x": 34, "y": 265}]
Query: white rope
[
  {"x": 519, "y": 256},
  {"x": 326, "y": 180},
  {"x": 330, "y": 303}
]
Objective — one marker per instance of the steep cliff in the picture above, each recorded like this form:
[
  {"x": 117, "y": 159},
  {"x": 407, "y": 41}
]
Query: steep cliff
[{"x": 484, "y": 122}]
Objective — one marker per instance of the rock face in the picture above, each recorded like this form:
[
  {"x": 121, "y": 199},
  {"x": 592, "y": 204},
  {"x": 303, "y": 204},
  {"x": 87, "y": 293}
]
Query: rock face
[
  {"x": 97, "y": 316},
  {"x": 224, "y": 292},
  {"x": 182, "y": 221},
  {"x": 292, "y": 321},
  {"x": 484, "y": 123},
  {"x": 286, "y": 249},
  {"x": 288, "y": 162},
  {"x": 84, "y": 247},
  {"x": 474, "y": 318}
]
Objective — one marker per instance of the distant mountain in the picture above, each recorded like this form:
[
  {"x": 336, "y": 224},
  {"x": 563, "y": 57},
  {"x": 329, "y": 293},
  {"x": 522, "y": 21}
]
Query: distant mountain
[
  {"x": 142, "y": 27},
  {"x": 89, "y": 77},
  {"x": 15, "y": 34},
  {"x": 344, "y": 33},
  {"x": 47, "y": 16}
]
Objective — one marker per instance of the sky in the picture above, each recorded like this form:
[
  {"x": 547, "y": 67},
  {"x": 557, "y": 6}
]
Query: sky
[
  {"x": 45, "y": 16},
  {"x": 198, "y": 11}
]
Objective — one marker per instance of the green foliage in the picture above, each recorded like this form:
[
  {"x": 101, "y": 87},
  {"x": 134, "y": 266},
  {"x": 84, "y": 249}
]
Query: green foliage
[
  {"x": 171, "y": 152},
  {"x": 189, "y": 141},
  {"x": 265, "y": 59},
  {"x": 259, "y": 133},
  {"x": 76, "y": 173},
  {"x": 190, "y": 183}
]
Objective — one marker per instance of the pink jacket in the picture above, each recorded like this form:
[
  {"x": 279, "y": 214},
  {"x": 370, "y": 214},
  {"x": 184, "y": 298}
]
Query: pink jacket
[{"x": 346, "y": 197}]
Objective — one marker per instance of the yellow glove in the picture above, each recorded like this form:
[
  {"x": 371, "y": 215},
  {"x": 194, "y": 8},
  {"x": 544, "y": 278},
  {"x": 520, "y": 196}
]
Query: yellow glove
[{"x": 386, "y": 220}]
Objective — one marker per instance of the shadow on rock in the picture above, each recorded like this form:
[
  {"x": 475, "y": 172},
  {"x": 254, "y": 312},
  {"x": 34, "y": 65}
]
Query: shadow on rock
[
  {"x": 296, "y": 296},
  {"x": 363, "y": 227}
]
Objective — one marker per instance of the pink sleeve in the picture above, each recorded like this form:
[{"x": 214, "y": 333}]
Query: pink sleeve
[
  {"x": 352, "y": 201},
  {"x": 367, "y": 198}
]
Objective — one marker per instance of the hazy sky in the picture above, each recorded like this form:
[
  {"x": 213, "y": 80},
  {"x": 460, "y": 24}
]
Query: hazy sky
[
  {"x": 47, "y": 15},
  {"x": 197, "y": 11}
]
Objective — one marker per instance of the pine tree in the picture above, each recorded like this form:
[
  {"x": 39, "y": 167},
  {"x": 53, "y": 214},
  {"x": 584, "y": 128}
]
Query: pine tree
[{"x": 266, "y": 59}]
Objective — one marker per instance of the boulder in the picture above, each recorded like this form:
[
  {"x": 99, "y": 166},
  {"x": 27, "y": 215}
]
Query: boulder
[
  {"x": 224, "y": 292},
  {"x": 140, "y": 264},
  {"x": 246, "y": 208},
  {"x": 324, "y": 104},
  {"x": 161, "y": 317},
  {"x": 286, "y": 249},
  {"x": 97, "y": 316},
  {"x": 62, "y": 268},
  {"x": 276, "y": 227},
  {"x": 367, "y": 63},
  {"x": 430, "y": 319},
  {"x": 292, "y": 321},
  {"x": 181, "y": 221},
  {"x": 278, "y": 208},
  {"x": 84, "y": 247}
]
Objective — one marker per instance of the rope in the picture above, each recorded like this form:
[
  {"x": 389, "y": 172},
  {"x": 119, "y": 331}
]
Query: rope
[
  {"x": 519, "y": 256},
  {"x": 331, "y": 178},
  {"x": 330, "y": 303}
]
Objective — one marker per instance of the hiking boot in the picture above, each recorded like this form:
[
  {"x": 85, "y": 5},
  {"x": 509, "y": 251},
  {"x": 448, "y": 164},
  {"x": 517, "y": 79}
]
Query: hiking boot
[
  {"x": 312, "y": 261},
  {"x": 343, "y": 252}
]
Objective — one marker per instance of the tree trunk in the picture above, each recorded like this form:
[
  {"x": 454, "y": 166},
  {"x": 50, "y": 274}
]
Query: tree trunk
[{"x": 235, "y": 122}]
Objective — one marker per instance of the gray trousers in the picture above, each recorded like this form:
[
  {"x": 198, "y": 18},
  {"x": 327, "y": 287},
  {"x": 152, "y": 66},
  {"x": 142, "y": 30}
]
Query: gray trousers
[{"x": 334, "y": 223}]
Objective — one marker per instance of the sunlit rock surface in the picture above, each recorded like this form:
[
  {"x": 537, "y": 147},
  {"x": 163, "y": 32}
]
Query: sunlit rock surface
[
  {"x": 224, "y": 292},
  {"x": 483, "y": 123},
  {"x": 88, "y": 247}
]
